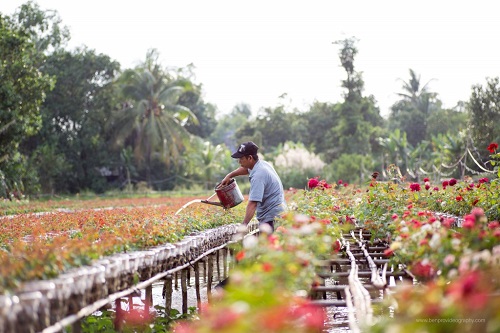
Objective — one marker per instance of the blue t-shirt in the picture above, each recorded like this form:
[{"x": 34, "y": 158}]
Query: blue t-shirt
[{"x": 266, "y": 189}]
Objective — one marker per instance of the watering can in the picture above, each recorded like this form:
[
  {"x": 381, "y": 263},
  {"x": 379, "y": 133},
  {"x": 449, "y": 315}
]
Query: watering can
[{"x": 229, "y": 195}]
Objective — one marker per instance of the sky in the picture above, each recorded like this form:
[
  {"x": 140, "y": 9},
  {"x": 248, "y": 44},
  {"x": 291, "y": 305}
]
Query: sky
[{"x": 256, "y": 51}]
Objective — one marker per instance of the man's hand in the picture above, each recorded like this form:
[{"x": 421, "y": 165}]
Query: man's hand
[{"x": 225, "y": 181}]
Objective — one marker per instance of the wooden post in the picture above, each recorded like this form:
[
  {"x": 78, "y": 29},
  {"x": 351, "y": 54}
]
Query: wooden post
[
  {"x": 149, "y": 297},
  {"x": 119, "y": 315},
  {"x": 168, "y": 294},
  {"x": 217, "y": 260},
  {"x": 204, "y": 269},
  {"x": 184, "y": 290},
  {"x": 176, "y": 283},
  {"x": 197, "y": 282},
  {"x": 224, "y": 258},
  {"x": 210, "y": 264}
]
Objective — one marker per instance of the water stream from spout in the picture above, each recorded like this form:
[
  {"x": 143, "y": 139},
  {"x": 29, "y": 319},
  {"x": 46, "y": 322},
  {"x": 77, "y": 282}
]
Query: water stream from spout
[{"x": 192, "y": 202}]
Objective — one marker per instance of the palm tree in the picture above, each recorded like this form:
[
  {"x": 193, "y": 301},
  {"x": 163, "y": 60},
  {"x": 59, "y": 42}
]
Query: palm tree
[
  {"x": 411, "y": 112},
  {"x": 421, "y": 98},
  {"x": 152, "y": 121}
]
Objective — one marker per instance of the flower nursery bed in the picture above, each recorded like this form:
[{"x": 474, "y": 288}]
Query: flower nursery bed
[{"x": 445, "y": 236}]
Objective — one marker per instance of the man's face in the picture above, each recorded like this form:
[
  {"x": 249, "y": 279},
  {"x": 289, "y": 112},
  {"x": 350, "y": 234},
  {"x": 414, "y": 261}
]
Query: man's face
[{"x": 245, "y": 161}]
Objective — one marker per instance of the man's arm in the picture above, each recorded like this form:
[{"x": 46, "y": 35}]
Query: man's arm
[
  {"x": 241, "y": 171},
  {"x": 250, "y": 212}
]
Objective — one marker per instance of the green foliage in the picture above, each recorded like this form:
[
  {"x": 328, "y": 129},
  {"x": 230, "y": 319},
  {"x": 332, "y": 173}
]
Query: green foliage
[
  {"x": 446, "y": 121},
  {"x": 227, "y": 126},
  {"x": 273, "y": 126},
  {"x": 22, "y": 91},
  {"x": 483, "y": 108},
  {"x": 72, "y": 144},
  {"x": 351, "y": 168},
  {"x": 411, "y": 113},
  {"x": 151, "y": 120},
  {"x": 103, "y": 322}
]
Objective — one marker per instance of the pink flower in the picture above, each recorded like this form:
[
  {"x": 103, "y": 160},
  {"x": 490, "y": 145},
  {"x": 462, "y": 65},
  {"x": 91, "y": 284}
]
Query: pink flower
[
  {"x": 388, "y": 252},
  {"x": 448, "y": 222},
  {"x": 494, "y": 224},
  {"x": 477, "y": 212},
  {"x": 449, "y": 259},
  {"x": 469, "y": 221},
  {"x": 469, "y": 291}
]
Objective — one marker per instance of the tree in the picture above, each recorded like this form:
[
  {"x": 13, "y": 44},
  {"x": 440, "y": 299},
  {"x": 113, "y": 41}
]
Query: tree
[
  {"x": 151, "y": 120},
  {"x": 273, "y": 125},
  {"x": 44, "y": 27},
  {"x": 357, "y": 119},
  {"x": 22, "y": 91},
  {"x": 483, "y": 108},
  {"x": 192, "y": 99},
  {"x": 412, "y": 112},
  {"x": 74, "y": 117},
  {"x": 228, "y": 125},
  {"x": 446, "y": 121}
]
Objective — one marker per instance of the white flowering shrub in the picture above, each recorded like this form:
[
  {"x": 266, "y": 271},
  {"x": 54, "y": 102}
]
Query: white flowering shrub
[{"x": 295, "y": 165}]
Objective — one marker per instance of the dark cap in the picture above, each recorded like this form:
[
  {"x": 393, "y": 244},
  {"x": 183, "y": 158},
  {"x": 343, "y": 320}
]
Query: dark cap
[{"x": 245, "y": 149}]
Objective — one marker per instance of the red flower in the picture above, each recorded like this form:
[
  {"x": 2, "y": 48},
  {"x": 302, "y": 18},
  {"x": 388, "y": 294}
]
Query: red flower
[
  {"x": 340, "y": 182},
  {"x": 336, "y": 246},
  {"x": 426, "y": 179},
  {"x": 445, "y": 183},
  {"x": 423, "y": 269},
  {"x": 388, "y": 252},
  {"x": 311, "y": 315},
  {"x": 427, "y": 186},
  {"x": 484, "y": 180},
  {"x": 469, "y": 291},
  {"x": 415, "y": 187},
  {"x": 267, "y": 267},
  {"x": 493, "y": 147},
  {"x": 240, "y": 255},
  {"x": 452, "y": 182},
  {"x": 459, "y": 198},
  {"x": 313, "y": 182}
]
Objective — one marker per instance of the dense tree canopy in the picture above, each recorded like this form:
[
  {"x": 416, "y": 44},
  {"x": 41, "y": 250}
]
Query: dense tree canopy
[
  {"x": 22, "y": 91},
  {"x": 72, "y": 121}
]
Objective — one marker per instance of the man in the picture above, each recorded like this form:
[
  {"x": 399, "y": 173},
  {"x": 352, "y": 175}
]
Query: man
[{"x": 266, "y": 197}]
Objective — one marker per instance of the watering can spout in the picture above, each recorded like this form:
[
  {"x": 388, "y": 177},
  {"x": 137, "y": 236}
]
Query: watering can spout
[{"x": 212, "y": 203}]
